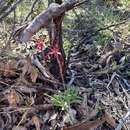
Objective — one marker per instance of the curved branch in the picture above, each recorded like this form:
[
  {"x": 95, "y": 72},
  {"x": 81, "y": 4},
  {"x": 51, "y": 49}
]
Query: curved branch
[{"x": 44, "y": 18}]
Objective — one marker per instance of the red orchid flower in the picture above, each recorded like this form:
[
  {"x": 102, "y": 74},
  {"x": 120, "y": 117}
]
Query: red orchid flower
[
  {"x": 40, "y": 44},
  {"x": 54, "y": 51}
]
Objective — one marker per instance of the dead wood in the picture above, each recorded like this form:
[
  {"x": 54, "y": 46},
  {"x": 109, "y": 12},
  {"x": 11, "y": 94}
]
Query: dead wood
[
  {"x": 44, "y": 18},
  {"x": 88, "y": 125}
]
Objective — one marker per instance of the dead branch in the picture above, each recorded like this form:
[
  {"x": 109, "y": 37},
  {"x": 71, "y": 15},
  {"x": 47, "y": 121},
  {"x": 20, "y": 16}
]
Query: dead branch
[
  {"x": 44, "y": 18},
  {"x": 46, "y": 74},
  {"x": 36, "y": 62},
  {"x": 12, "y": 7},
  {"x": 23, "y": 108},
  {"x": 88, "y": 125}
]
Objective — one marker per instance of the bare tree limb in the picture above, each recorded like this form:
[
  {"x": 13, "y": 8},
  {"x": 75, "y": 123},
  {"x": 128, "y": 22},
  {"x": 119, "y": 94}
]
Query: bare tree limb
[
  {"x": 32, "y": 8},
  {"x": 8, "y": 11},
  {"x": 80, "y": 3},
  {"x": 46, "y": 16}
]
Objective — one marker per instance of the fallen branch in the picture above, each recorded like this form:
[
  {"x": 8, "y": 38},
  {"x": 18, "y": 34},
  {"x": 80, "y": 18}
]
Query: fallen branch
[
  {"x": 23, "y": 108},
  {"x": 46, "y": 74},
  {"x": 89, "y": 125},
  {"x": 43, "y": 70},
  {"x": 123, "y": 121}
]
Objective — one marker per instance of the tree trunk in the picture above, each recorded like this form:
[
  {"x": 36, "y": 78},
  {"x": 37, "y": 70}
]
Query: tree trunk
[
  {"x": 52, "y": 16},
  {"x": 56, "y": 41}
]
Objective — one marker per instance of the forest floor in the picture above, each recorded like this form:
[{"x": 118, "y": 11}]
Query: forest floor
[{"x": 95, "y": 95}]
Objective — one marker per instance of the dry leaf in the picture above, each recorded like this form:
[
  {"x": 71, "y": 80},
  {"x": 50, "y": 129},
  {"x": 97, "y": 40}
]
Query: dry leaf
[
  {"x": 36, "y": 122},
  {"x": 26, "y": 69},
  {"x": 9, "y": 68},
  {"x": 34, "y": 74},
  {"x": 22, "y": 81},
  {"x": 12, "y": 97},
  {"x": 110, "y": 120},
  {"x": 2, "y": 66}
]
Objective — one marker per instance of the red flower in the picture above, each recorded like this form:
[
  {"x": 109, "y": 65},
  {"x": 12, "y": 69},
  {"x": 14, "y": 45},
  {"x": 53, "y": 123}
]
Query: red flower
[
  {"x": 54, "y": 51},
  {"x": 40, "y": 44}
]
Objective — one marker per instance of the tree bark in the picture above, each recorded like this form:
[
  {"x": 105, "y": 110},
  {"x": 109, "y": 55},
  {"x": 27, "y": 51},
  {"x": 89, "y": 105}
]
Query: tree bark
[
  {"x": 52, "y": 16},
  {"x": 45, "y": 18},
  {"x": 56, "y": 41},
  {"x": 55, "y": 36}
]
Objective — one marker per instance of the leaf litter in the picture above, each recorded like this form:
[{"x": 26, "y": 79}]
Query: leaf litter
[{"x": 101, "y": 80}]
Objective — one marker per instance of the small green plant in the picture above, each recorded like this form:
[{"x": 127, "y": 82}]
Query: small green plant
[{"x": 64, "y": 99}]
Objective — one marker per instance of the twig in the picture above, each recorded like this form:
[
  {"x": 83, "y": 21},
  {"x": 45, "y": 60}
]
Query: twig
[
  {"x": 46, "y": 75},
  {"x": 123, "y": 121},
  {"x": 80, "y": 3},
  {"x": 10, "y": 9},
  {"x": 72, "y": 78},
  {"x": 100, "y": 29},
  {"x": 36, "y": 62},
  {"x": 23, "y": 117},
  {"x": 43, "y": 107},
  {"x": 33, "y": 6},
  {"x": 113, "y": 25},
  {"x": 1, "y": 82},
  {"x": 112, "y": 78}
]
